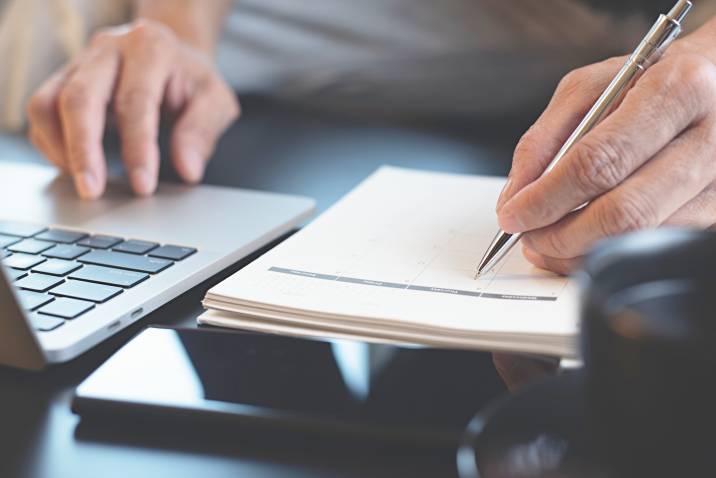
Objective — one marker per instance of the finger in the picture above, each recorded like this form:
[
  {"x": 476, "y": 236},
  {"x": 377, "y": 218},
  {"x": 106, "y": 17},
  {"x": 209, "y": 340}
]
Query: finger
[
  {"x": 558, "y": 266},
  {"x": 44, "y": 119},
  {"x": 699, "y": 213},
  {"x": 82, "y": 107},
  {"x": 645, "y": 200},
  {"x": 661, "y": 106},
  {"x": 573, "y": 98},
  {"x": 198, "y": 129},
  {"x": 137, "y": 105},
  {"x": 39, "y": 142}
]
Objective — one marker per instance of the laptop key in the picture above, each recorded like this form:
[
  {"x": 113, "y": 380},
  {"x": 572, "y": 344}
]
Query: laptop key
[
  {"x": 20, "y": 229},
  {"x": 76, "y": 289},
  {"x": 15, "y": 274},
  {"x": 100, "y": 242},
  {"x": 108, "y": 276},
  {"x": 44, "y": 323},
  {"x": 4, "y": 253},
  {"x": 57, "y": 267},
  {"x": 66, "y": 308},
  {"x": 65, "y": 251},
  {"x": 23, "y": 261},
  {"x": 33, "y": 300},
  {"x": 130, "y": 262},
  {"x": 174, "y": 253},
  {"x": 136, "y": 247},
  {"x": 30, "y": 246},
  {"x": 38, "y": 282},
  {"x": 61, "y": 236},
  {"x": 8, "y": 240}
]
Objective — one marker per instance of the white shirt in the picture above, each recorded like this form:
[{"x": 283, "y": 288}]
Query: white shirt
[
  {"x": 488, "y": 56},
  {"x": 424, "y": 56}
]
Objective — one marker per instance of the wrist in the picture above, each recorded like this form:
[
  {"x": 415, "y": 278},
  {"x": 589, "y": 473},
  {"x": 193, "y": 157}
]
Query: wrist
[
  {"x": 196, "y": 22},
  {"x": 187, "y": 32}
]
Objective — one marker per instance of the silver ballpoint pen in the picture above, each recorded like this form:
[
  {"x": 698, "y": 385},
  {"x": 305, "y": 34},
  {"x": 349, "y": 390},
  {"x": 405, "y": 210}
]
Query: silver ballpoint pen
[{"x": 666, "y": 29}]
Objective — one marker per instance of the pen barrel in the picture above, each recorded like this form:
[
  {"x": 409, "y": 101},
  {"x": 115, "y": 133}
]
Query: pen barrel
[
  {"x": 632, "y": 74},
  {"x": 662, "y": 34},
  {"x": 606, "y": 104}
]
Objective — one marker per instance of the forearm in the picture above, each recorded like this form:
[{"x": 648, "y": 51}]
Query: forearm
[{"x": 198, "y": 22}]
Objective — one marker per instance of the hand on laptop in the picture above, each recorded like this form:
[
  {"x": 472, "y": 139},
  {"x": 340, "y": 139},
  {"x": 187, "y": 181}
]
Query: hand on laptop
[
  {"x": 649, "y": 164},
  {"x": 139, "y": 70}
]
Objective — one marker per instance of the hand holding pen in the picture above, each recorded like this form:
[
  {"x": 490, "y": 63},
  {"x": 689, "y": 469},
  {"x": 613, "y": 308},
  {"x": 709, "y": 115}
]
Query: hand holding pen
[{"x": 651, "y": 162}]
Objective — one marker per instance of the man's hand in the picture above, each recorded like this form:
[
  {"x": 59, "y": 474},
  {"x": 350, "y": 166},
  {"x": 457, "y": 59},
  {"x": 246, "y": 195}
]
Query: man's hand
[
  {"x": 137, "y": 70},
  {"x": 651, "y": 163}
]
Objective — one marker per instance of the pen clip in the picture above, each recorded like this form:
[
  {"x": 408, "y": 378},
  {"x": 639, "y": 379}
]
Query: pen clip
[
  {"x": 674, "y": 26},
  {"x": 680, "y": 11}
]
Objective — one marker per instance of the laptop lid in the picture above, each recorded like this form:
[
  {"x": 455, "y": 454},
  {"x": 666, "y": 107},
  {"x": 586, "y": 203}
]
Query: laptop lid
[{"x": 19, "y": 346}]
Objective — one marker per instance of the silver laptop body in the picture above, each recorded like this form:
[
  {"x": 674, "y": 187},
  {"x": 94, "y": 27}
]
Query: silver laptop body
[{"x": 222, "y": 225}]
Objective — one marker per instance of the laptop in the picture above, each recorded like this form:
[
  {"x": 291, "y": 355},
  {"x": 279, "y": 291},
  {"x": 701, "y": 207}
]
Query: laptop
[{"x": 76, "y": 272}]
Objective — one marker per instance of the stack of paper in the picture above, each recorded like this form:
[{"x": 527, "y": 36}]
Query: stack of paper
[{"x": 394, "y": 261}]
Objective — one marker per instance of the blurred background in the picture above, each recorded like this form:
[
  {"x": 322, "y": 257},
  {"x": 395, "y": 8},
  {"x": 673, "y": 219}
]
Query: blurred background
[{"x": 331, "y": 89}]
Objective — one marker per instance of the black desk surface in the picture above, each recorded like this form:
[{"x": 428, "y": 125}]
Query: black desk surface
[{"x": 272, "y": 148}]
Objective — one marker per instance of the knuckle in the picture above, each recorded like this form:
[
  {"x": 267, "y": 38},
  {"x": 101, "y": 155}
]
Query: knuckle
[
  {"x": 236, "y": 112},
  {"x": 146, "y": 33},
  {"x": 228, "y": 107},
  {"x": 685, "y": 82},
  {"x": 232, "y": 106},
  {"x": 698, "y": 73},
  {"x": 39, "y": 106},
  {"x": 131, "y": 102},
  {"x": 572, "y": 81},
  {"x": 613, "y": 63},
  {"x": 599, "y": 165},
  {"x": 101, "y": 38},
  {"x": 683, "y": 172},
  {"x": 530, "y": 145},
  {"x": 144, "y": 30},
  {"x": 558, "y": 245},
  {"x": 627, "y": 213},
  {"x": 73, "y": 97},
  {"x": 588, "y": 77}
]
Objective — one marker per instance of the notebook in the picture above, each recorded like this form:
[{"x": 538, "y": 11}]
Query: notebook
[{"x": 394, "y": 261}]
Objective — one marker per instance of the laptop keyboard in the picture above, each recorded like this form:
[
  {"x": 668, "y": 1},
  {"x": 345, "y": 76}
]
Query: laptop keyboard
[{"x": 61, "y": 275}]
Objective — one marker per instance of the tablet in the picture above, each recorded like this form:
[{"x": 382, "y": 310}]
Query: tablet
[{"x": 324, "y": 386}]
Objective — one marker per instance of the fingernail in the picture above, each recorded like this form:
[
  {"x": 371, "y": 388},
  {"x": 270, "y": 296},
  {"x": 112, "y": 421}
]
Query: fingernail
[
  {"x": 143, "y": 181},
  {"x": 86, "y": 184},
  {"x": 505, "y": 194}
]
